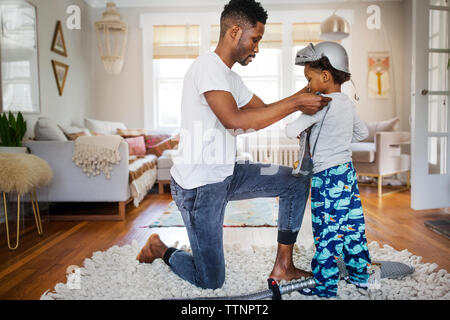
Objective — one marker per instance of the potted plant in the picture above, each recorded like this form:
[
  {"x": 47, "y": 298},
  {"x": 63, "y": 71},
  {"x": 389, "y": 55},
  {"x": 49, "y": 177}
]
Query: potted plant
[{"x": 12, "y": 131}]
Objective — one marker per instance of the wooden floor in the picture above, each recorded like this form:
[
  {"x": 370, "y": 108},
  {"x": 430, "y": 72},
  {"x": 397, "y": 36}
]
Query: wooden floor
[{"x": 40, "y": 262}]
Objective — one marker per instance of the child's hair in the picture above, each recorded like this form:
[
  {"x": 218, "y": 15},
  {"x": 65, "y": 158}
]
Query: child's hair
[{"x": 324, "y": 64}]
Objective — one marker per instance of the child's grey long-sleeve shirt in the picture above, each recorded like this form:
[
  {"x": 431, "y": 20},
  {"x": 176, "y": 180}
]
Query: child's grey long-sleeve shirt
[{"x": 341, "y": 126}]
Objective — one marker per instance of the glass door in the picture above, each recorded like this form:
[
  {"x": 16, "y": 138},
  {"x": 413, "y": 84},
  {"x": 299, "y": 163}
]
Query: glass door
[{"x": 430, "y": 178}]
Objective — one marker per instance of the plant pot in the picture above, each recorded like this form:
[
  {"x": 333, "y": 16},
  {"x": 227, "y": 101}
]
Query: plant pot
[{"x": 13, "y": 150}]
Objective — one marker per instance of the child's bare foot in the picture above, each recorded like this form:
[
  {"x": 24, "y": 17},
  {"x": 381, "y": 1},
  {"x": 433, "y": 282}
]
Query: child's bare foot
[{"x": 154, "y": 248}]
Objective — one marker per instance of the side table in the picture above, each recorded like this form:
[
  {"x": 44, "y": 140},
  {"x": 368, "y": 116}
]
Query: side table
[{"x": 22, "y": 173}]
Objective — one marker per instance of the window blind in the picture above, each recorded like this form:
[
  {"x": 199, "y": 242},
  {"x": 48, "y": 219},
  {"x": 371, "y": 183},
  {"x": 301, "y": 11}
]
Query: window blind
[
  {"x": 305, "y": 33},
  {"x": 176, "y": 41}
]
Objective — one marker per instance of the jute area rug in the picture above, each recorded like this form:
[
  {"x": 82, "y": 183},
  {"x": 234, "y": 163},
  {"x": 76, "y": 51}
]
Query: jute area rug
[{"x": 116, "y": 274}]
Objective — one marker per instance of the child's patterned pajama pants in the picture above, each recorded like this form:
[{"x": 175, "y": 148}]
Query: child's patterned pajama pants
[{"x": 339, "y": 229}]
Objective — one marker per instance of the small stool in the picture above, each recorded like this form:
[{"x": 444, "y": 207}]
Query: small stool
[{"x": 23, "y": 173}]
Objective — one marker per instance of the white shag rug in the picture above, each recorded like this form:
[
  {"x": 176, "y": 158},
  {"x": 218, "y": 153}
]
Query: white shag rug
[{"x": 116, "y": 274}]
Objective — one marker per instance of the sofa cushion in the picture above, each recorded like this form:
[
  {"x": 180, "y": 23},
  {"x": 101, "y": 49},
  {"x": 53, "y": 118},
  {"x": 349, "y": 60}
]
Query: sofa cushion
[
  {"x": 363, "y": 152},
  {"x": 165, "y": 160},
  {"x": 167, "y": 144},
  {"x": 380, "y": 126},
  {"x": 130, "y": 133},
  {"x": 47, "y": 129},
  {"x": 103, "y": 127},
  {"x": 155, "y": 138},
  {"x": 74, "y": 136}
]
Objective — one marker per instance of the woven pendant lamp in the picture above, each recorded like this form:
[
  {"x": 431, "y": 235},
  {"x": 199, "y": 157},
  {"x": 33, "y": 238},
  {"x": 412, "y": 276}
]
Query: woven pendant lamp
[{"x": 112, "y": 39}]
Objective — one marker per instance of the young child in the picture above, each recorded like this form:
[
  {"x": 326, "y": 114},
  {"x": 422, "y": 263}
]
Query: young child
[{"x": 337, "y": 216}]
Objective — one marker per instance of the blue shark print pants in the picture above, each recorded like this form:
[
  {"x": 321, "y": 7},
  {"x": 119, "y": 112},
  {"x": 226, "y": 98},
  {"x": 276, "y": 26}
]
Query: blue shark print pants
[{"x": 339, "y": 229}]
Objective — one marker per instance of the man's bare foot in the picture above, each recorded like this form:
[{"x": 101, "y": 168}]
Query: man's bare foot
[
  {"x": 288, "y": 273},
  {"x": 284, "y": 268},
  {"x": 154, "y": 248}
]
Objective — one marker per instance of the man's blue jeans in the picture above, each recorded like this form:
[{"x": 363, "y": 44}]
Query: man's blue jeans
[{"x": 203, "y": 210}]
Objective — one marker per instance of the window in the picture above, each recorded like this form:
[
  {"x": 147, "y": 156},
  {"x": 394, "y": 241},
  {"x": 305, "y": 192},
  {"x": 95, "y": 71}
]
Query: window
[
  {"x": 263, "y": 75},
  {"x": 302, "y": 35},
  {"x": 174, "y": 49}
]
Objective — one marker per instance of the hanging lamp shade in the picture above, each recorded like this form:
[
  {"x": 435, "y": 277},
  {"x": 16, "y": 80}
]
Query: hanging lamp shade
[
  {"x": 334, "y": 28},
  {"x": 112, "y": 39}
]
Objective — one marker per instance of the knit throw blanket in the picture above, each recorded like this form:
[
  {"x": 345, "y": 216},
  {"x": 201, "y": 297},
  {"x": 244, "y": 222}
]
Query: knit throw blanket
[{"x": 97, "y": 154}]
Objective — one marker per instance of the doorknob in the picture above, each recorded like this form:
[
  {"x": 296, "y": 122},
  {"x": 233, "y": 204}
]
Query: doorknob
[{"x": 424, "y": 92}]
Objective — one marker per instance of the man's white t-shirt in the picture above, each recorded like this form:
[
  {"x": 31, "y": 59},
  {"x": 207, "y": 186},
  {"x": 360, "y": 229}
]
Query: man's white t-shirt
[{"x": 207, "y": 151}]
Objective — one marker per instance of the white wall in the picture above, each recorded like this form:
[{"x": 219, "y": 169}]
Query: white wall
[{"x": 71, "y": 107}]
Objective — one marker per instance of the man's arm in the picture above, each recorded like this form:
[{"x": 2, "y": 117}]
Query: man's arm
[
  {"x": 257, "y": 115},
  {"x": 256, "y": 102}
]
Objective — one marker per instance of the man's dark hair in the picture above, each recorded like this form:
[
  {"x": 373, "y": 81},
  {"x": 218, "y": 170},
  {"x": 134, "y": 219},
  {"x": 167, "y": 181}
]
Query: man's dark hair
[
  {"x": 244, "y": 12},
  {"x": 324, "y": 64}
]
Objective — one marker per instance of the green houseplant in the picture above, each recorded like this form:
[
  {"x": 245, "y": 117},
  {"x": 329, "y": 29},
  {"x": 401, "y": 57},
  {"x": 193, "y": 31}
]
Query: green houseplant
[{"x": 12, "y": 131}]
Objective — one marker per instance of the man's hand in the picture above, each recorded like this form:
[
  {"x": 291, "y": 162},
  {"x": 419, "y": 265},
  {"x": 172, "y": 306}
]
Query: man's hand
[{"x": 309, "y": 103}]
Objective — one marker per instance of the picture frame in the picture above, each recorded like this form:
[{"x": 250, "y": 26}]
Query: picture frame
[
  {"x": 60, "y": 70},
  {"x": 58, "y": 42}
]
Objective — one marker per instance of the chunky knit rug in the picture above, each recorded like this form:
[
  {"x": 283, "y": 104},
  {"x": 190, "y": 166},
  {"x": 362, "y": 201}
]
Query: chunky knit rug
[{"x": 116, "y": 274}]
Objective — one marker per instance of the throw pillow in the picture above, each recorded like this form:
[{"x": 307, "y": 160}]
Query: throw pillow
[
  {"x": 152, "y": 140},
  {"x": 103, "y": 127},
  {"x": 167, "y": 144},
  {"x": 47, "y": 129},
  {"x": 380, "y": 126},
  {"x": 68, "y": 129},
  {"x": 136, "y": 146},
  {"x": 74, "y": 136},
  {"x": 129, "y": 133}
]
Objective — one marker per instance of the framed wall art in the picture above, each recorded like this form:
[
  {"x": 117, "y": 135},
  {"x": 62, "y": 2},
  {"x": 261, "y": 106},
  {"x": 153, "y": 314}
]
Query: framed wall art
[
  {"x": 378, "y": 82},
  {"x": 60, "y": 71},
  {"x": 58, "y": 43}
]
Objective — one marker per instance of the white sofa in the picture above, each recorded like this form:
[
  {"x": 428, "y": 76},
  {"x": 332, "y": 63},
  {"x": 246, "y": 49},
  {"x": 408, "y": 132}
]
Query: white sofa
[
  {"x": 71, "y": 184},
  {"x": 128, "y": 182}
]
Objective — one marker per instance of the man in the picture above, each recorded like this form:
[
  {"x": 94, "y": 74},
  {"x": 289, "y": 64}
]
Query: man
[{"x": 216, "y": 103}]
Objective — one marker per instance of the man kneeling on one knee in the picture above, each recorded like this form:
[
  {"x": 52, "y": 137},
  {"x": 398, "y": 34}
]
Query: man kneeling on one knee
[{"x": 215, "y": 105}]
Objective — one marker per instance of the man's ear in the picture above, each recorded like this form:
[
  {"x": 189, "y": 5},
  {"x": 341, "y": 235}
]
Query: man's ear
[{"x": 235, "y": 33}]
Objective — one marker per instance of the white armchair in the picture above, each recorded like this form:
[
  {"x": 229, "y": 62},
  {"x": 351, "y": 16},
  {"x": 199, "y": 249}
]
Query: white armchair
[{"x": 383, "y": 157}]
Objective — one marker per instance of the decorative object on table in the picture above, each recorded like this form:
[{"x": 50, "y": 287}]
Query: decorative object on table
[
  {"x": 58, "y": 43},
  {"x": 60, "y": 71},
  {"x": 21, "y": 174},
  {"x": 378, "y": 82},
  {"x": 259, "y": 212},
  {"x": 19, "y": 57},
  {"x": 12, "y": 131},
  {"x": 247, "y": 269},
  {"x": 112, "y": 36}
]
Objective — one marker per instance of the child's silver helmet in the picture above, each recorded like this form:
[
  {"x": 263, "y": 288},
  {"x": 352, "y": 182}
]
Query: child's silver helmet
[{"x": 335, "y": 53}]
